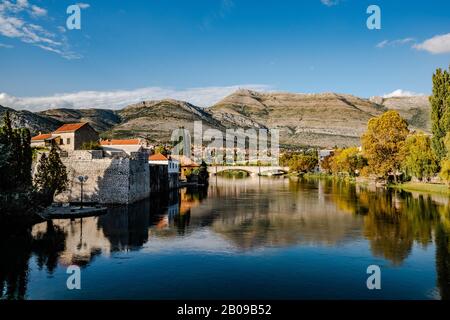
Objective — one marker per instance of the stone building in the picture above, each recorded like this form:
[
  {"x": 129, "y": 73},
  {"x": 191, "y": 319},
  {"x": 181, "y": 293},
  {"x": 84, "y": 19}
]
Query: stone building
[
  {"x": 74, "y": 135},
  {"x": 111, "y": 179},
  {"x": 68, "y": 137},
  {"x": 44, "y": 140}
]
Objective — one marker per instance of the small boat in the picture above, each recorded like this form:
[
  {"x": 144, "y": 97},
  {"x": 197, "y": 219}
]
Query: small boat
[{"x": 72, "y": 211}]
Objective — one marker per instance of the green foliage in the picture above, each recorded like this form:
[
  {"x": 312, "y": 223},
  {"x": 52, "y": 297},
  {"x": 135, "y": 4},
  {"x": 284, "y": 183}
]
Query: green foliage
[
  {"x": 382, "y": 143},
  {"x": 51, "y": 174},
  {"x": 444, "y": 174},
  {"x": 161, "y": 149},
  {"x": 15, "y": 157},
  {"x": 419, "y": 159},
  {"x": 440, "y": 111},
  {"x": 91, "y": 145}
]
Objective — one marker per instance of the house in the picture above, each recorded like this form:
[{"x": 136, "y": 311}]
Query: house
[
  {"x": 116, "y": 146},
  {"x": 68, "y": 137},
  {"x": 164, "y": 172},
  {"x": 43, "y": 140},
  {"x": 186, "y": 165},
  {"x": 172, "y": 164}
]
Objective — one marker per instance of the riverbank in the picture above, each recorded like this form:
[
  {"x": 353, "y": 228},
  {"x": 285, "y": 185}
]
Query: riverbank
[{"x": 423, "y": 187}]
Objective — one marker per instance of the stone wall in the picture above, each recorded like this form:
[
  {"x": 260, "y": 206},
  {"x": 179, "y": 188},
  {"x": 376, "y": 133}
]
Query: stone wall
[{"x": 111, "y": 180}]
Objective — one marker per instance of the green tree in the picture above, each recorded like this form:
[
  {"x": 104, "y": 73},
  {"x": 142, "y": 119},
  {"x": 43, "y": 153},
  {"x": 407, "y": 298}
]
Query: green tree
[
  {"x": 382, "y": 143},
  {"x": 15, "y": 157},
  {"x": 419, "y": 160},
  {"x": 91, "y": 145},
  {"x": 51, "y": 175},
  {"x": 444, "y": 174},
  {"x": 440, "y": 111}
]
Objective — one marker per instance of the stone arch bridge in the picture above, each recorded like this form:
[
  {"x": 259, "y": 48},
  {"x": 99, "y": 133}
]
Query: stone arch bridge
[{"x": 252, "y": 170}]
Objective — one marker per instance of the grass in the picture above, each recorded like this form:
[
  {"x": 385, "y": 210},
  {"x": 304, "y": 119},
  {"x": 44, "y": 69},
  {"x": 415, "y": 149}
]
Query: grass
[{"x": 423, "y": 187}]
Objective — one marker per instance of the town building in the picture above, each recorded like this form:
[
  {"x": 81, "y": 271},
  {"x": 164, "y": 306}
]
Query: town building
[
  {"x": 44, "y": 140},
  {"x": 164, "y": 172},
  {"x": 68, "y": 137},
  {"x": 186, "y": 165},
  {"x": 128, "y": 146}
]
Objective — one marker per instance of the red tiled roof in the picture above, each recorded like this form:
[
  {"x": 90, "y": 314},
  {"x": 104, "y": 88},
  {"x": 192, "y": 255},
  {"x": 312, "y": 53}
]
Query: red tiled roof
[
  {"x": 70, "y": 127},
  {"x": 42, "y": 136},
  {"x": 157, "y": 157},
  {"x": 120, "y": 142}
]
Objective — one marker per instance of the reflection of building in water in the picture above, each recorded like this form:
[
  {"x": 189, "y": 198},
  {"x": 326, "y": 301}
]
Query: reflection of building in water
[{"x": 83, "y": 240}]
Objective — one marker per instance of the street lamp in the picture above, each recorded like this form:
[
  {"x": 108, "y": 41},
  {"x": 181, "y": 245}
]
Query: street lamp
[{"x": 82, "y": 180}]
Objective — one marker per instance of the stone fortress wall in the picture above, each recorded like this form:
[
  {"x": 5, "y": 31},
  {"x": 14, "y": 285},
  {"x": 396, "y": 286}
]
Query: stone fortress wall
[{"x": 118, "y": 179}]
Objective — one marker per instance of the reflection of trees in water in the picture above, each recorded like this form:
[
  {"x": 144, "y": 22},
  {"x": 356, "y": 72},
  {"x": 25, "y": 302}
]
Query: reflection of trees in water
[
  {"x": 395, "y": 220},
  {"x": 17, "y": 247}
]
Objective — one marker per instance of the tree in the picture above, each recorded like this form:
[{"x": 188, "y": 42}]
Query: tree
[
  {"x": 444, "y": 174},
  {"x": 91, "y": 145},
  {"x": 349, "y": 161},
  {"x": 382, "y": 143},
  {"x": 161, "y": 149},
  {"x": 419, "y": 160},
  {"x": 303, "y": 163},
  {"x": 15, "y": 157},
  {"x": 51, "y": 175},
  {"x": 440, "y": 111}
]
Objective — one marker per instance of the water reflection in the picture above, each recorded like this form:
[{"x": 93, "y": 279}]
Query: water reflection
[{"x": 246, "y": 215}]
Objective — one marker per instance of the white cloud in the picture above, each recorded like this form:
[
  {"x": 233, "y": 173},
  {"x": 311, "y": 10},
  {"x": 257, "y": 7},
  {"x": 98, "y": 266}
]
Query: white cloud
[
  {"x": 394, "y": 43},
  {"x": 83, "y": 5},
  {"x": 402, "y": 93},
  {"x": 202, "y": 97},
  {"x": 330, "y": 3},
  {"x": 14, "y": 24},
  {"x": 38, "y": 11},
  {"x": 436, "y": 45}
]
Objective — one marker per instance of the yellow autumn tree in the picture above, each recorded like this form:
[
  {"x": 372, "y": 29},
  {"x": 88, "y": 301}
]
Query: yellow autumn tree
[{"x": 382, "y": 143}]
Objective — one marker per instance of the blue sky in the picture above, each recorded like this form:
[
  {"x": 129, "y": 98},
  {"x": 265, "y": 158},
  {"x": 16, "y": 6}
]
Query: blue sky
[{"x": 204, "y": 49}]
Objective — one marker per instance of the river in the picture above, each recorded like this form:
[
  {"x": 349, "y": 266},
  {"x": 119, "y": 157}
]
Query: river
[{"x": 254, "y": 238}]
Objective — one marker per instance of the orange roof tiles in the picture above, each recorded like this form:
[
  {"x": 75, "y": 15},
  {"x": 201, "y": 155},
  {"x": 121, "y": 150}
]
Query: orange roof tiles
[
  {"x": 42, "y": 136},
  {"x": 157, "y": 157},
  {"x": 70, "y": 127},
  {"x": 120, "y": 142}
]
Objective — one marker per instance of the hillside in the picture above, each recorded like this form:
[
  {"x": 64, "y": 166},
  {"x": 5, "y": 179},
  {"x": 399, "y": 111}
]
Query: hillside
[
  {"x": 100, "y": 119},
  {"x": 156, "y": 120},
  {"x": 416, "y": 110},
  {"x": 323, "y": 120},
  {"x": 34, "y": 122}
]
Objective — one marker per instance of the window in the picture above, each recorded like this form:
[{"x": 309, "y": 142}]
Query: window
[{"x": 68, "y": 140}]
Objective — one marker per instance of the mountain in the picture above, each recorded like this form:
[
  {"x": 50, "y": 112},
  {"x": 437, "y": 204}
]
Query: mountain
[
  {"x": 156, "y": 120},
  {"x": 100, "y": 119},
  {"x": 323, "y": 120},
  {"x": 416, "y": 109},
  {"x": 34, "y": 122}
]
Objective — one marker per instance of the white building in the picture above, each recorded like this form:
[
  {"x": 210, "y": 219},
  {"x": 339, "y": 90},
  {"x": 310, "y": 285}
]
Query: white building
[
  {"x": 128, "y": 146},
  {"x": 173, "y": 165}
]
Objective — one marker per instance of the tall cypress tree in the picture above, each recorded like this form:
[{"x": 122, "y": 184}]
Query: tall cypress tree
[{"x": 440, "y": 111}]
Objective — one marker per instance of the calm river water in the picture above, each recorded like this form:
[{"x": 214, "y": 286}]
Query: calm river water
[{"x": 241, "y": 238}]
